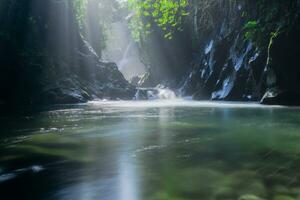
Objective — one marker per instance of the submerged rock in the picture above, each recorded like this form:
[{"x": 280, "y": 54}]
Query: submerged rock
[
  {"x": 213, "y": 184},
  {"x": 295, "y": 191},
  {"x": 283, "y": 197},
  {"x": 224, "y": 193},
  {"x": 280, "y": 189},
  {"x": 253, "y": 185},
  {"x": 249, "y": 197},
  {"x": 197, "y": 181}
]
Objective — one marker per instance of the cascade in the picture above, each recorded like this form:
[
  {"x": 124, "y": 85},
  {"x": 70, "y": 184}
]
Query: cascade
[
  {"x": 124, "y": 61},
  {"x": 157, "y": 93}
]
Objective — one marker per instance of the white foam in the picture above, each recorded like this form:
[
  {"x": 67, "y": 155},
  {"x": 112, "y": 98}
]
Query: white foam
[{"x": 177, "y": 103}]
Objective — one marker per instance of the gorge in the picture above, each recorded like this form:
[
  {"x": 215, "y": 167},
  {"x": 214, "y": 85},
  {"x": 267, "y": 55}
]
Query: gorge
[
  {"x": 149, "y": 99},
  {"x": 226, "y": 50}
]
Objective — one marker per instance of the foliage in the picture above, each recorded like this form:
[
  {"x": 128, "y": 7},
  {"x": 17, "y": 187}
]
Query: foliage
[
  {"x": 252, "y": 29},
  {"x": 168, "y": 15},
  {"x": 272, "y": 18},
  {"x": 80, "y": 7},
  {"x": 94, "y": 18}
]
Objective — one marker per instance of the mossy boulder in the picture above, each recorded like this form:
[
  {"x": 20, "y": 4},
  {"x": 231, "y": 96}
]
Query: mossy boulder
[
  {"x": 280, "y": 189},
  {"x": 283, "y": 197},
  {"x": 250, "y": 197},
  {"x": 245, "y": 182},
  {"x": 198, "y": 182}
]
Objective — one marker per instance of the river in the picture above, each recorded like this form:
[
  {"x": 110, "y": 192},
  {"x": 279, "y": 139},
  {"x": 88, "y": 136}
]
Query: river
[{"x": 151, "y": 150}]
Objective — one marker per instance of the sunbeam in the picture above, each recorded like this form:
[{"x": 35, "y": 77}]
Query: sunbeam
[{"x": 149, "y": 99}]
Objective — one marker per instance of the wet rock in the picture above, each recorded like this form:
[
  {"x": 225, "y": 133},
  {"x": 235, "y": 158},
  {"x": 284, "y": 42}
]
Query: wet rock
[
  {"x": 295, "y": 191},
  {"x": 280, "y": 189},
  {"x": 228, "y": 67},
  {"x": 141, "y": 94},
  {"x": 135, "y": 80},
  {"x": 225, "y": 71},
  {"x": 283, "y": 197},
  {"x": 278, "y": 97},
  {"x": 165, "y": 196},
  {"x": 224, "y": 193},
  {"x": 158, "y": 92},
  {"x": 249, "y": 197},
  {"x": 65, "y": 91},
  {"x": 197, "y": 181},
  {"x": 283, "y": 70},
  {"x": 147, "y": 80},
  {"x": 253, "y": 185}
]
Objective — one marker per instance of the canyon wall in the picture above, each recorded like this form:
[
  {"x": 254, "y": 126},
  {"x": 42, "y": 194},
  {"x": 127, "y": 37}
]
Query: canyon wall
[{"x": 46, "y": 60}]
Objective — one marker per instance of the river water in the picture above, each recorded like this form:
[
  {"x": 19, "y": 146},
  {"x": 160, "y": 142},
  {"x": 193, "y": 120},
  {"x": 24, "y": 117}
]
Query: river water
[{"x": 151, "y": 150}]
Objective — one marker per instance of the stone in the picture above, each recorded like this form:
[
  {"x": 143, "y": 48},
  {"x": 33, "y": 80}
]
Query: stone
[
  {"x": 245, "y": 182},
  {"x": 199, "y": 181},
  {"x": 283, "y": 197},
  {"x": 295, "y": 191},
  {"x": 280, "y": 189},
  {"x": 249, "y": 197},
  {"x": 224, "y": 192}
]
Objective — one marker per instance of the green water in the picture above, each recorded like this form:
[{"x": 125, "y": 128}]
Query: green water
[{"x": 164, "y": 150}]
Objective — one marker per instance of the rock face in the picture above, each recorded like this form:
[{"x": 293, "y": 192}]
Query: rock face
[
  {"x": 108, "y": 83},
  {"x": 240, "y": 51},
  {"x": 228, "y": 70},
  {"x": 231, "y": 66},
  {"x": 283, "y": 68},
  {"x": 46, "y": 59}
]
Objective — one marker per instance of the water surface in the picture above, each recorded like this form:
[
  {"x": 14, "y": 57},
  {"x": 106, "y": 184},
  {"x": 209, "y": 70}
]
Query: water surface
[{"x": 155, "y": 150}]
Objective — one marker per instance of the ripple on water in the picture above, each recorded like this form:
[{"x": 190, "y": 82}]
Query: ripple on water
[
  {"x": 14, "y": 174},
  {"x": 6, "y": 177},
  {"x": 149, "y": 148}
]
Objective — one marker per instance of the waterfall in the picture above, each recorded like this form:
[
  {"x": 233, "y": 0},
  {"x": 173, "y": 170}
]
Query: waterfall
[
  {"x": 165, "y": 93},
  {"x": 157, "y": 93},
  {"x": 121, "y": 48},
  {"x": 123, "y": 62}
]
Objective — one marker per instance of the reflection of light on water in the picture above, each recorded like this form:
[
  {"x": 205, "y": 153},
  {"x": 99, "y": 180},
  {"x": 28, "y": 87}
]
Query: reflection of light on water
[
  {"x": 166, "y": 116},
  {"x": 127, "y": 170},
  {"x": 176, "y": 103},
  {"x": 127, "y": 177},
  {"x": 128, "y": 190},
  {"x": 18, "y": 172}
]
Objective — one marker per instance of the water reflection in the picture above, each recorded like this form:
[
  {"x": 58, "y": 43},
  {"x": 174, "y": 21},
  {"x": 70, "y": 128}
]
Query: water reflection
[{"x": 153, "y": 150}]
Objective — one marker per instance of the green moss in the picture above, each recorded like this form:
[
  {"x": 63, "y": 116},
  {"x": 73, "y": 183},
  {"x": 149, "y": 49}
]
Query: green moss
[
  {"x": 253, "y": 185},
  {"x": 250, "y": 197},
  {"x": 164, "y": 196},
  {"x": 199, "y": 181},
  {"x": 280, "y": 189},
  {"x": 283, "y": 197}
]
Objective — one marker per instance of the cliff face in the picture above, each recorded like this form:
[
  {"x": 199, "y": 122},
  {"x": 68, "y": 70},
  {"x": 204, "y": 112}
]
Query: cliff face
[
  {"x": 234, "y": 50},
  {"x": 227, "y": 67},
  {"x": 45, "y": 60},
  {"x": 250, "y": 55},
  {"x": 228, "y": 50},
  {"x": 283, "y": 71}
]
